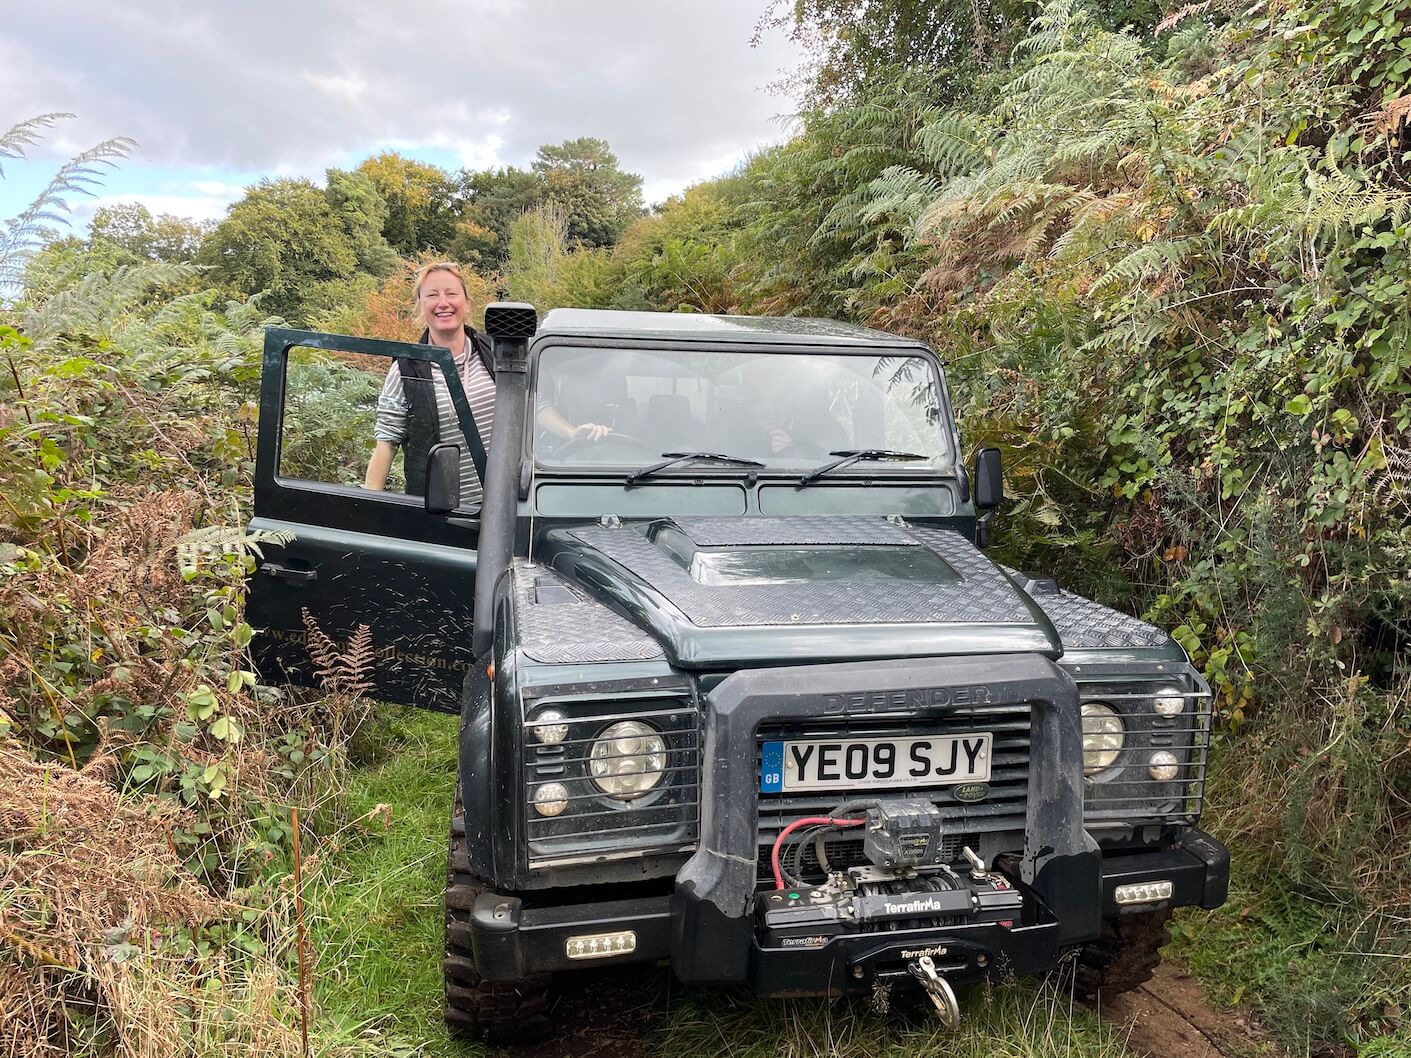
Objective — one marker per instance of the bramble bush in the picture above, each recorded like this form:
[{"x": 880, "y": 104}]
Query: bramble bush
[{"x": 145, "y": 836}]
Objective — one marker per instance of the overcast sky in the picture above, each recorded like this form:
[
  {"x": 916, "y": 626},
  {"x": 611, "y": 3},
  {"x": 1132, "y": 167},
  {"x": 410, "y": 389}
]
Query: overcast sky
[{"x": 220, "y": 95}]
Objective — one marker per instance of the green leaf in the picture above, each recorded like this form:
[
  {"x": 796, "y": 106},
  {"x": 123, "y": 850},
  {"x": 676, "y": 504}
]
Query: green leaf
[
  {"x": 1299, "y": 405},
  {"x": 241, "y": 634},
  {"x": 227, "y": 729}
]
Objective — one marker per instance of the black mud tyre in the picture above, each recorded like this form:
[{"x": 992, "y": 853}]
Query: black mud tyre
[
  {"x": 499, "y": 1012},
  {"x": 1123, "y": 957}
]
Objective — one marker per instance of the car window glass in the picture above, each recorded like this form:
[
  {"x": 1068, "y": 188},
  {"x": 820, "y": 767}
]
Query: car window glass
[
  {"x": 338, "y": 405},
  {"x": 782, "y": 409}
]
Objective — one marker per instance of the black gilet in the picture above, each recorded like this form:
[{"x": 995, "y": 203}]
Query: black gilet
[{"x": 423, "y": 418}]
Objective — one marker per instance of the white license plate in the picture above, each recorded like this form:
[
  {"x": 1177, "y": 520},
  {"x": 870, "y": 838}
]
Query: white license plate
[{"x": 874, "y": 763}]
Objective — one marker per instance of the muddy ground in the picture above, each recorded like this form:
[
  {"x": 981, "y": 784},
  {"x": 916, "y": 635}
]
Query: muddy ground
[
  {"x": 619, "y": 1014},
  {"x": 1168, "y": 1017}
]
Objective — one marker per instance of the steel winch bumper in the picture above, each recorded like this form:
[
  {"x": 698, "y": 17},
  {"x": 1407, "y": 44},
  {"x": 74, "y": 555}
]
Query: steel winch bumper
[{"x": 512, "y": 940}]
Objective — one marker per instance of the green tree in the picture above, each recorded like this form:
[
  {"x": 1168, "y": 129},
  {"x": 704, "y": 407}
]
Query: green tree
[
  {"x": 493, "y": 200},
  {"x": 685, "y": 256},
  {"x": 852, "y": 46},
  {"x": 423, "y": 202},
  {"x": 282, "y": 238},
  {"x": 599, "y": 198},
  {"x": 130, "y": 227},
  {"x": 361, "y": 210},
  {"x": 546, "y": 271}
]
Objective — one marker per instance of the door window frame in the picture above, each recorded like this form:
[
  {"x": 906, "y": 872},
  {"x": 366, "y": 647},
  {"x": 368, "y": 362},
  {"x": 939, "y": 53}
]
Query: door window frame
[{"x": 300, "y": 500}]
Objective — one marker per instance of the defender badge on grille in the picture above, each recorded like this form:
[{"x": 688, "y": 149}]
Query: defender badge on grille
[{"x": 971, "y": 792}]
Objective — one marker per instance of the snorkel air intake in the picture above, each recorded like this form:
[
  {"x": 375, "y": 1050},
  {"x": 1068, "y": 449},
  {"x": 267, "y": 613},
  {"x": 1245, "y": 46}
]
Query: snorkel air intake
[{"x": 510, "y": 325}]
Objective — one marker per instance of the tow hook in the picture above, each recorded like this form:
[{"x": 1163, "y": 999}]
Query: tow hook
[{"x": 939, "y": 989}]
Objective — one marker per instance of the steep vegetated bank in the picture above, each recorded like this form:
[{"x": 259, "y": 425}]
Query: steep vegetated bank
[{"x": 1168, "y": 265}]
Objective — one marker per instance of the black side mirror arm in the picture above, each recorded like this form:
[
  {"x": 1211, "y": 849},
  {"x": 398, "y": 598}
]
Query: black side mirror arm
[{"x": 443, "y": 479}]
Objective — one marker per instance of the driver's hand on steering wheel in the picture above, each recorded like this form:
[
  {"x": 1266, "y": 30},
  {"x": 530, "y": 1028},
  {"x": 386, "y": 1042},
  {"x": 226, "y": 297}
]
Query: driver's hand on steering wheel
[{"x": 591, "y": 431}]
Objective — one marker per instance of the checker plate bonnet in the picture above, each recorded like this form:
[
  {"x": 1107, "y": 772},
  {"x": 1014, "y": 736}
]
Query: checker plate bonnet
[{"x": 980, "y": 594}]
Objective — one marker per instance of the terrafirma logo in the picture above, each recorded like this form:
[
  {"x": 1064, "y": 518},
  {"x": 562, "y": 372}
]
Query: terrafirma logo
[
  {"x": 909, "y": 953},
  {"x": 914, "y": 907}
]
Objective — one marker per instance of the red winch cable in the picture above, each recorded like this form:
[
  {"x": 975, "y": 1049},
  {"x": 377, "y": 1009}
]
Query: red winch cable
[{"x": 795, "y": 825}]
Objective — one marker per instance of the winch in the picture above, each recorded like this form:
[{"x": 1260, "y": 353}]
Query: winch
[{"x": 903, "y": 887}]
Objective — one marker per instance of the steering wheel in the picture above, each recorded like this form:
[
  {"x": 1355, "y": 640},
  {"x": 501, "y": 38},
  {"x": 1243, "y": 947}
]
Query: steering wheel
[{"x": 577, "y": 444}]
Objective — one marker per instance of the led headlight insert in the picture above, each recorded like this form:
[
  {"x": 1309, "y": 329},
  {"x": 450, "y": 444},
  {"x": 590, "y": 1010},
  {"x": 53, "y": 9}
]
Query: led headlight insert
[
  {"x": 1103, "y": 735},
  {"x": 628, "y": 759},
  {"x": 549, "y": 727},
  {"x": 1163, "y": 766},
  {"x": 1169, "y": 702},
  {"x": 1144, "y": 892},
  {"x": 551, "y": 799}
]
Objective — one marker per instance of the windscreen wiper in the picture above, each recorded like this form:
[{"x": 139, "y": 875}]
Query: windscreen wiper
[
  {"x": 850, "y": 456},
  {"x": 672, "y": 458}
]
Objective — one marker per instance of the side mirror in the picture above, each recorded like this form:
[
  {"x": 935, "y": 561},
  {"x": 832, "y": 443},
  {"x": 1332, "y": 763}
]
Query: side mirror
[
  {"x": 443, "y": 479},
  {"x": 989, "y": 479}
]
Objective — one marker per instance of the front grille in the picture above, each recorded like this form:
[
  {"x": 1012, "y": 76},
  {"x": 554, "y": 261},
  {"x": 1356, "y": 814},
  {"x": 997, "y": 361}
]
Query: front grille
[
  {"x": 595, "y": 825},
  {"x": 1125, "y": 792},
  {"x": 1002, "y": 811}
]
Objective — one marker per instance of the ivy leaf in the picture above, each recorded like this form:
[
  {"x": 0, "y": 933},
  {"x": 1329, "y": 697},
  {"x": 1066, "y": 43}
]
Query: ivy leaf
[{"x": 1300, "y": 405}]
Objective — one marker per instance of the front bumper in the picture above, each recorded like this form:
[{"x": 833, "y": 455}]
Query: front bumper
[{"x": 512, "y": 941}]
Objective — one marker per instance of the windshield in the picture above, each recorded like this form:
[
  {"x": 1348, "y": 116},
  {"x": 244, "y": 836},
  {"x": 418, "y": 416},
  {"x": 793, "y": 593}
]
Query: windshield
[{"x": 627, "y": 407}]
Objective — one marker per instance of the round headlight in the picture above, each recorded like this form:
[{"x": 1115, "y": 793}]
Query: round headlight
[
  {"x": 548, "y": 727},
  {"x": 1102, "y": 737},
  {"x": 551, "y": 799},
  {"x": 1169, "y": 702},
  {"x": 1164, "y": 767},
  {"x": 628, "y": 759}
]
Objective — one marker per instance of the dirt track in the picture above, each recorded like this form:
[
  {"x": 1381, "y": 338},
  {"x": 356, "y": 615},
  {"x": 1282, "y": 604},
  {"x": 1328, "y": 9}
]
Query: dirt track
[
  {"x": 618, "y": 1016},
  {"x": 1168, "y": 1017}
]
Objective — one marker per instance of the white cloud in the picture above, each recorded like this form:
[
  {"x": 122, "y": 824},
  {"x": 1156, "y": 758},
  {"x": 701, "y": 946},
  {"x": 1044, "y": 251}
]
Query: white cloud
[
  {"x": 482, "y": 155},
  {"x": 217, "y": 189},
  {"x": 673, "y": 85},
  {"x": 350, "y": 89},
  {"x": 194, "y": 207}
]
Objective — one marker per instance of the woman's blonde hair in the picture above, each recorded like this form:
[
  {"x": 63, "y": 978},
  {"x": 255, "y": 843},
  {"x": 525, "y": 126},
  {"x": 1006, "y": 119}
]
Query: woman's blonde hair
[{"x": 439, "y": 266}]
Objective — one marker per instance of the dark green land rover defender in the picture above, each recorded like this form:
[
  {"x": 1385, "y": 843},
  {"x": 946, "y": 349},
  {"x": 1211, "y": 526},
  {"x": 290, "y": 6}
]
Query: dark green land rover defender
[{"x": 739, "y": 688}]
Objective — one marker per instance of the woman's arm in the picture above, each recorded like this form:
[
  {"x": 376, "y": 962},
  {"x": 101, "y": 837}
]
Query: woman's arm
[
  {"x": 379, "y": 465},
  {"x": 551, "y": 420}
]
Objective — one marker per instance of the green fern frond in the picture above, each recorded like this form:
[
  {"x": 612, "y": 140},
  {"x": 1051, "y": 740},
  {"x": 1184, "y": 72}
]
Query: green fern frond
[
  {"x": 952, "y": 144},
  {"x": 1147, "y": 261},
  {"x": 26, "y": 134},
  {"x": 38, "y": 222},
  {"x": 94, "y": 304}
]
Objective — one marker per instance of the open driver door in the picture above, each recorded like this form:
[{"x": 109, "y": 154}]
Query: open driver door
[{"x": 336, "y": 555}]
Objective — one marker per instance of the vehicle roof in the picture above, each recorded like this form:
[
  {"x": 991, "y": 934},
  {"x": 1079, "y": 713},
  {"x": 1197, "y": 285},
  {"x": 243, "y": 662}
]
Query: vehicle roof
[{"x": 694, "y": 326}]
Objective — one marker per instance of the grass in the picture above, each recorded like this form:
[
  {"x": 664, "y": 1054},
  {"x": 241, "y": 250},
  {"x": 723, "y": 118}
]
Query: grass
[
  {"x": 377, "y": 914},
  {"x": 1325, "y": 972},
  {"x": 1027, "y": 1019},
  {"x": 1320, "y": 977},
  {"x": 376, "y": 922}
]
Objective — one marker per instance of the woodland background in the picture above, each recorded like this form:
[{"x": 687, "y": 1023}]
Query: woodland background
[{"x": 1165, "y": 255}]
